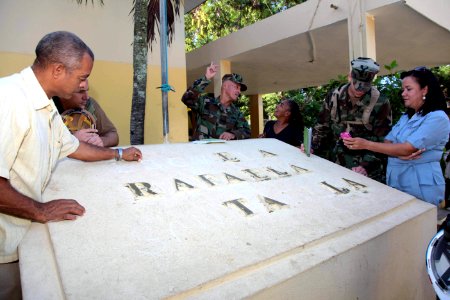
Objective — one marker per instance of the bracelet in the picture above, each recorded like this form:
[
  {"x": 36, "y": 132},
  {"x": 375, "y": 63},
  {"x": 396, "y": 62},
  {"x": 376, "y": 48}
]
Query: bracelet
[{"x": 119, "y": 154}]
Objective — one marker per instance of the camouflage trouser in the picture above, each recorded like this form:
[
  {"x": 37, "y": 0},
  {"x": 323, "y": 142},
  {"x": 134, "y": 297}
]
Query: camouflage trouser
[{"x": 374, "y": 165}]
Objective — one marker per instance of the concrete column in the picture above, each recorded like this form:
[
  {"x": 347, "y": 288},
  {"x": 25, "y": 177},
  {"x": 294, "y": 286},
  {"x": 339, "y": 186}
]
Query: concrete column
[
  {"x": 370, "y": 37},
  {"x": 361, "y": 31},
  {"x": 224, "y": 68},
  {"x": 256, "y": 115}
]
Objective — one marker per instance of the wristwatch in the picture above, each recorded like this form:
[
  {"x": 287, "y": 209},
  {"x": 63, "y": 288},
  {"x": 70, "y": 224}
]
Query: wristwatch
[{"x": 119, "y": 154}]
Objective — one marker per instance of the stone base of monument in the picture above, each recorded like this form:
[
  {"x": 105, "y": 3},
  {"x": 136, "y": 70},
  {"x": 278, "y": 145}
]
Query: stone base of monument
[{"x": 240, "y": 219}]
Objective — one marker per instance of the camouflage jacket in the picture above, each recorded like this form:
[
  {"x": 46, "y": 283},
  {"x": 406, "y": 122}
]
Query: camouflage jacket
[
  {"x": 211, "y": 118},
  {"x": 370, "y": 118}
]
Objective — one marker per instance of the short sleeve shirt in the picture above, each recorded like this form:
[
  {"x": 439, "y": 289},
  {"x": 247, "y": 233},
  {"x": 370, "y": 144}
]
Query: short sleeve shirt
[{"x": 35, "y": 139}]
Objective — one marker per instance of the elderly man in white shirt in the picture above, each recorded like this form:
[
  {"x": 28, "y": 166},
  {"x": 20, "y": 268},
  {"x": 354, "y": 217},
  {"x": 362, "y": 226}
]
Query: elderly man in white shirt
[{"x": 33, "y": 138}]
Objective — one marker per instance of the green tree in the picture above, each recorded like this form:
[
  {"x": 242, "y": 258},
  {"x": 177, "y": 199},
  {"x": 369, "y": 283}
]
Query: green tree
[
  {"x": 140, "y": 51},
  {"x": 443, "y": 74},
  {"x": 215, "y": 19},
  {"x": 390, "y": 85},
  {"x": 310, "y": 99},
  {"x": 146, "y": 20}
]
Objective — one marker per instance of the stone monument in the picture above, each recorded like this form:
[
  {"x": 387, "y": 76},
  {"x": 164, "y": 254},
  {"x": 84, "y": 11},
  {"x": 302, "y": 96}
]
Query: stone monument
[{"x": 237, "y": 219}]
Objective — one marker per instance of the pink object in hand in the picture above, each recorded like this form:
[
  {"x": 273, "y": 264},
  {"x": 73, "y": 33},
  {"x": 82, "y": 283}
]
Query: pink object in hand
[{"x": 345, "y": 135}]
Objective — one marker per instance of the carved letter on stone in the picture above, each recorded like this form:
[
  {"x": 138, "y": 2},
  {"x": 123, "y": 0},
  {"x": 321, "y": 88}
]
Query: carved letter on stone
[
  {"x": 281, "y": 174},
  {"x": 141, "y": 189},
  {"x": 182, "y": 186},
  {"x": 255, "y": 175},
  {"x": 355, "y": 184},
  {"x": 299, "y": 170},
  {"x": 232, "y": 178},
  {"x": 343, "y": 191},
  {"x": 265, "y": 153},
  {"x": 271, "y": 205},
  {"x": 227, "y": 157},
  {"x": 207, "y": 178},
  {"x": 238, "y": 204}
]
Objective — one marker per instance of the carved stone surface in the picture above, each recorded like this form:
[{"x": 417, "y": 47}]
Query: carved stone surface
[{"x": 227, "y": 220}]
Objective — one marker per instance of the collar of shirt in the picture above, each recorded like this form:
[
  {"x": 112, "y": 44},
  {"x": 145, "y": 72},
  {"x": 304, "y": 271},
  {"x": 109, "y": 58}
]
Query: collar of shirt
[{"x": 35, "y": 90}]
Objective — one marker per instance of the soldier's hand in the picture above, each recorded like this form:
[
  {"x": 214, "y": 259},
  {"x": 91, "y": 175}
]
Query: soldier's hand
[{"x": 211, "y": 71}]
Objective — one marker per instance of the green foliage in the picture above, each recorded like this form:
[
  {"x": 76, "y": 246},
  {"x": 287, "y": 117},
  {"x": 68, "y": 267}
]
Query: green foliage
[
  {"x": 390, "y": 85},
  {"x": 309, "y": 100},
  {"x": 443, "y": 74},
  {"x": 215, "y": 19},
  {"x": 243, "y": 104},
  {"x": 270, "y": 101}
]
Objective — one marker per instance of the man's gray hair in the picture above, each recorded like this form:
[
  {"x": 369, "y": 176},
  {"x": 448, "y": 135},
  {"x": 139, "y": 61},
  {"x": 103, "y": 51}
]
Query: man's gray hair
[{"x": 61, "y": 47}]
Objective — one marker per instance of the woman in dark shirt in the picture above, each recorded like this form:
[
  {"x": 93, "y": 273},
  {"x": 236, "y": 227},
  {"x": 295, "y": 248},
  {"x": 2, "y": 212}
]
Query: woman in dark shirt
[{"x": 289, "y": 124}]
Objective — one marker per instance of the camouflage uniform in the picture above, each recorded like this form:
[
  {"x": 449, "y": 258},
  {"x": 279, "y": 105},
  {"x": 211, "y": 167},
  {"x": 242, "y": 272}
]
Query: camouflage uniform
[
  {"x": 211, "y": 118},
  {"x": 370, "y": 118}
]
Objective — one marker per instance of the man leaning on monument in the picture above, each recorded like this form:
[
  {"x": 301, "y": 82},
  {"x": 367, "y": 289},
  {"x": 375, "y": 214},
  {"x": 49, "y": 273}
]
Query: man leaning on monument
[
  {"x": 217, "y": 117},
  {"x": 359, "y": 109},
  {"x": 33, "y": 138}
]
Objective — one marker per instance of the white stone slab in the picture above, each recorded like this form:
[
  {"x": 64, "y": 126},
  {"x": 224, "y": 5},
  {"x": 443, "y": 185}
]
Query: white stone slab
[{"x": 228, "y": 220}]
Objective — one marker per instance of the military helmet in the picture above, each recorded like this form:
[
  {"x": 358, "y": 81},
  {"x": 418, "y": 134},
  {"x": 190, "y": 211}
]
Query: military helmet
[{"x": 364, "y": 70}]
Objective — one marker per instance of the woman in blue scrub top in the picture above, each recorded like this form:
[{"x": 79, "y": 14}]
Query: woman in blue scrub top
[{"x": 423, "y": 127}]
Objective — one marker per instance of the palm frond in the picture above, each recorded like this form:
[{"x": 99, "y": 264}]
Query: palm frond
[{"x": 173, "y": 10}]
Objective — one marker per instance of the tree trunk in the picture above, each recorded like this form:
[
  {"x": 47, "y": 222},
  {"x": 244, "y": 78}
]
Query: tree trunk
[{"x": 140, "y": 50}]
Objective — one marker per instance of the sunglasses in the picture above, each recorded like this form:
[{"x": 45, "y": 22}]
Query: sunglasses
[
  {"x": 421, "y": 69},
  {"x": 417, "y": 71}
]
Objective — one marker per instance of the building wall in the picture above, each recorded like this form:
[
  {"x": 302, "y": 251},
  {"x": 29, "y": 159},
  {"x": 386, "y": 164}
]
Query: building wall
[{"x": 108, "y": 30}]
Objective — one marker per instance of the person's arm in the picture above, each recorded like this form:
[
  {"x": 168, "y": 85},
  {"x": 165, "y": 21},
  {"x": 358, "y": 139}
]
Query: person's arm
[
  {"x": 391, "y": 149},
  {"x": 16, "y": 204},
  {"x": 191, "y": 97},
  {"x": 88, "y": 152},
  {"x": 431, "y": 131},
  {"x": 110, "y": 139}
]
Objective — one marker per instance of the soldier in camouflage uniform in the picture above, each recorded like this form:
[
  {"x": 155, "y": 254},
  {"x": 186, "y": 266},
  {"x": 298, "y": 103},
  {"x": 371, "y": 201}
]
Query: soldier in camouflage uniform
[
  {"x": 358, "y": 108},
  {"x": 217, "y": 117}
]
